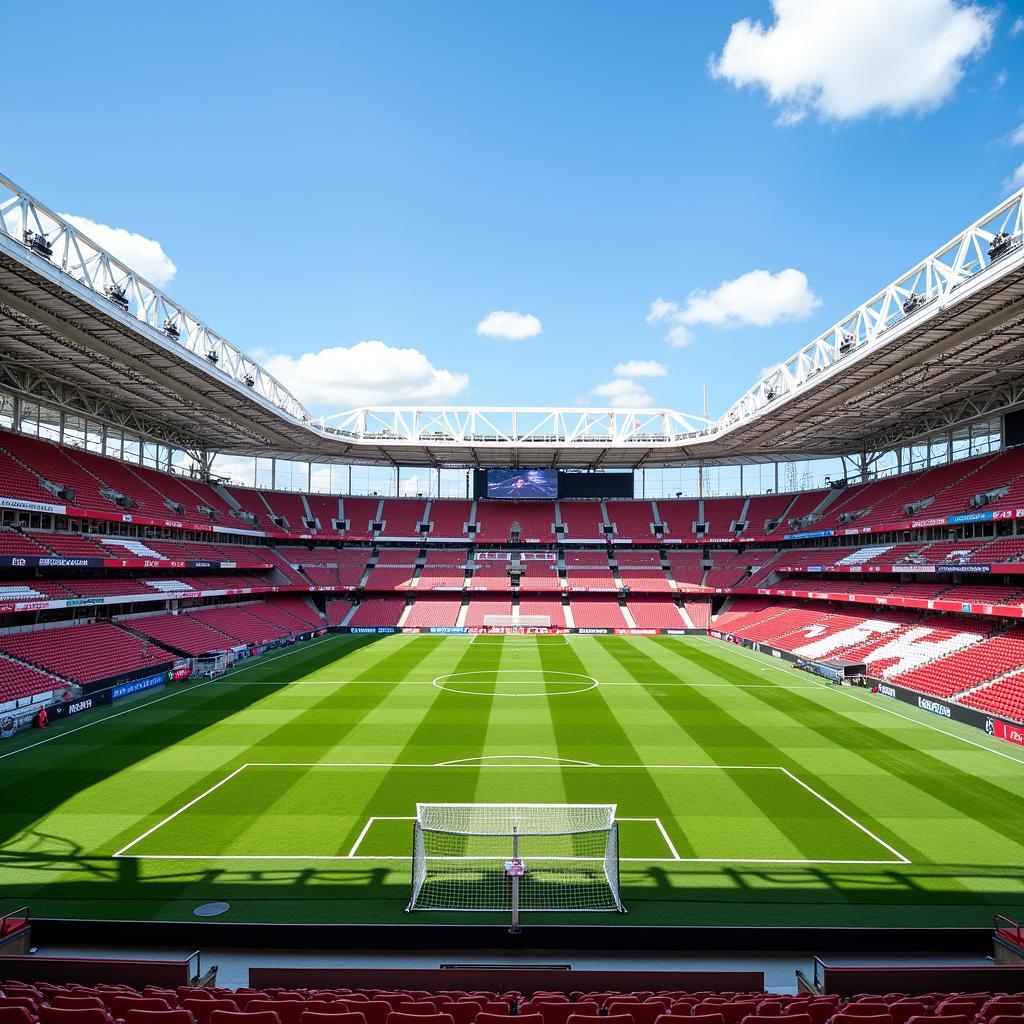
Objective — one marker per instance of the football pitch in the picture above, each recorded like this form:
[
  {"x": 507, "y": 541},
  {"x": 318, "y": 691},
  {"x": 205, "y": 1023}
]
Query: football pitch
[{"x": 747, "y": 793}]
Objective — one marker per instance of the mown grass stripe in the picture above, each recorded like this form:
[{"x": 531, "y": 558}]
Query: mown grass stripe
[
  {"x": 587, "y": 729},
  {"x": 726, "y": 738}
]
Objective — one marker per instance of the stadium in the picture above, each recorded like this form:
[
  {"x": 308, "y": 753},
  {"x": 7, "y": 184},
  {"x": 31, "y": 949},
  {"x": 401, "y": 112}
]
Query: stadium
[{"x": 536, "y": 706}]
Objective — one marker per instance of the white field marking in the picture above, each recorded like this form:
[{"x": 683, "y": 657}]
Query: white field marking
[
  {"x": 852, "y": 821},
  {"x": 122, "y": 853},
  {"x": 603, "y": 682},
  {"x": 668, "y": 842},
  {"x": 774, "y": 663},
  {"x": 369, "y": 823},
  {"x": 525, "y": 757},
  {"x": 567, "y": 677},
  {"x": 167, "y": 696},
  {"x": 396, "y": 817},
  {"x": 170, "y": 817},
  {"x": 406, "y": 858}
]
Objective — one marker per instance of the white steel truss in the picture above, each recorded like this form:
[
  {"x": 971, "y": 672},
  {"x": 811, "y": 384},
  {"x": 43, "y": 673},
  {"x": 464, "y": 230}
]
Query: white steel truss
[
  {"x": 994, "y": 239},
  {"x": 514, "y": 426},
  {"x": 984, "y": 252},
  {"x": 50, "y": 238}
]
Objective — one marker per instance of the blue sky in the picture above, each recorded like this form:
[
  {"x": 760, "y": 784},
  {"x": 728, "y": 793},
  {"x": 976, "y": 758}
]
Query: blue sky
[{"x": 331, "y": 174}]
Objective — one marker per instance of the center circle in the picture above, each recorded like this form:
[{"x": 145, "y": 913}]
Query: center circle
[{"x": 515, "y": 682}]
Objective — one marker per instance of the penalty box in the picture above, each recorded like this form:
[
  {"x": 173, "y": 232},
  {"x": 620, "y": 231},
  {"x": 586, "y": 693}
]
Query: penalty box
[{"x": 361, "y": 812}]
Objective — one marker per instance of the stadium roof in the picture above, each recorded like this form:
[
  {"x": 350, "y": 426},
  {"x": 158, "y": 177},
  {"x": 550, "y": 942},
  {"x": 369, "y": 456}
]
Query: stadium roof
[{"x": 941, "y": 345}]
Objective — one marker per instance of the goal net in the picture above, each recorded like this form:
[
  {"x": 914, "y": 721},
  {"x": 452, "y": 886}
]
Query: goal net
[{"x": 511, "y": 857}]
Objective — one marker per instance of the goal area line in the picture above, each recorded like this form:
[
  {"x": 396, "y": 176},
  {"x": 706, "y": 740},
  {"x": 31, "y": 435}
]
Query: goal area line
[{"x": 897, "y": 858}]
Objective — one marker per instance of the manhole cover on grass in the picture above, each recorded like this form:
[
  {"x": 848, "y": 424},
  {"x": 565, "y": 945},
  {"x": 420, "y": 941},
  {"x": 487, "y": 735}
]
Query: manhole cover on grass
[{"x": 211, "y": 909}]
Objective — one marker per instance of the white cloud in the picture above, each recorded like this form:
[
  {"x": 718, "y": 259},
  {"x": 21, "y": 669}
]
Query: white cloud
[
  {"x": 758, "y": 298},
  {"x": 238, "y": 469},
  {"x": 1017, "y": 27},
  {"x": 844, "y": 60},
  {"x": 413, "y": 485},
  {"x": 141, "y": 254},
  {"x": 320, "y": 479},
  {"x": 509, "y": 325},
  {"x": 1017, "y": 138},
  {"x": 640, "y": 368},
  {"x": 623, "y": 393},
  {"x": 1015, "y": 180},
  {"x": 368, "y": 373}
]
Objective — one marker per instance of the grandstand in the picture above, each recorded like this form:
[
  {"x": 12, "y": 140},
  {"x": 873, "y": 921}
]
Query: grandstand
[{"x": 374, "y": 638}]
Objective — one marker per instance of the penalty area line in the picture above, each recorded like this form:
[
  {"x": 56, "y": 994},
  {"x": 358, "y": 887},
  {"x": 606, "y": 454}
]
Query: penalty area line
[
  {"x": 843, "y": 814},
  {"x": 184, "y": 807}
]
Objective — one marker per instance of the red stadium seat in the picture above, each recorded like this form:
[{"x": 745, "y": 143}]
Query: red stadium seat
[
  {"x": 493, "y": 1014},
  {"x": 63, "y": 1015},
  {"x": 15, "y": 1014},
  {"x": 397, "y": 1017},
  {"x": 244, "y": 1017},
  {"x": 642, "y": 1013},
  {"x": 850, "y": 1018},
  {"x": 903, "y": 1009},
  {"x": 29, "y": 1002},
  {"x": 121, "y": 1004},
  {"x": 559, "y": 1013},
  {"x": 201, "y": 1009},
  {"x": 78, "y": 1002},
  {"x": 375, "y": 1012},
  {"x": 731, "y": 1013},
  {"x": 611, "y": 1018},
  {"x": 696, "y": 1018},
  {"x": 349, "y": 1017},
  {"x": 134, "y": 1016},
  {"x": 462, "y": 1012}
]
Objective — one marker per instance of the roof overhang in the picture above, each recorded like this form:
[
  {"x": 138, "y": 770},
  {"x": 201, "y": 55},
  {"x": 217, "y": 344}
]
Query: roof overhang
[{"x": 941, "y": 345}]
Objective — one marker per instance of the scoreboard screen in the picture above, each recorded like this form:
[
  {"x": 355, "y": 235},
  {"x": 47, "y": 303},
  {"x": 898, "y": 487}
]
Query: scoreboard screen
[{"x": 522, "y": 483}]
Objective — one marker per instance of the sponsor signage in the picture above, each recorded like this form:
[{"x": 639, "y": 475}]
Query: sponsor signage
[
  {"x": 1006, "y": 731},
  {"x": 936, "y": 707},
  {"x": 373, "y": 629},
  {"x": 146, "y": 683},
  {"x": 56, "y": 562},
  {"x": 32, "y": 506},
  {"x": 449, "y": 630},
  {"x": 593, "y": 631},
  {"x": 1012, "y": 732},
  {"x": 970, "y": 517},
  {"x": 68, "y": 708}
]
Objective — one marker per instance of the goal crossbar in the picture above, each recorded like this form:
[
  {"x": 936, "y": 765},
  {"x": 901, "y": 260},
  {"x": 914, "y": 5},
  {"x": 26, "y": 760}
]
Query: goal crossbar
[
  {"x": 525, "y": 819},
  {"x": 515, "y": 856}
]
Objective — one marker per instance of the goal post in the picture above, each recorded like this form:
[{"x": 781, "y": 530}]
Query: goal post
[{"x": 512, "y": 857}]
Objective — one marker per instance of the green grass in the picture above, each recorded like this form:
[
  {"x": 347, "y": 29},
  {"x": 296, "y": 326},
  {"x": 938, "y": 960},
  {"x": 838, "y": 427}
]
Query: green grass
[{"x": 748, "y": 793}]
